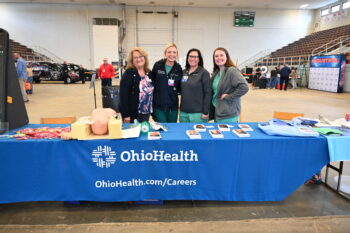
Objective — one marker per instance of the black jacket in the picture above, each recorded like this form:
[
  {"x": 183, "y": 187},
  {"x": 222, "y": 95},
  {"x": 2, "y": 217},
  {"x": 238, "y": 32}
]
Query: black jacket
[
  {"x": 274, "y": 73},
  {"x": 65, "y": 68},
  {"x": 129, "y": 93},
  {"x": 165, "y": 97},
  {"x": 196, "y": 91}
]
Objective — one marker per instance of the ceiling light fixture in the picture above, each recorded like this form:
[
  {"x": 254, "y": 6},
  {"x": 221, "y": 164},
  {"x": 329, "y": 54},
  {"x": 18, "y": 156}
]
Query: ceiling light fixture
[{"x": 305, "y": 5}]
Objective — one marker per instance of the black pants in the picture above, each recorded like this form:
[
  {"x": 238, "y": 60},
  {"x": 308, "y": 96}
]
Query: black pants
[
  {"x": 106, "y": 82},
  {"x": 284, "y": 80},
  {"x": 140, "y": 118},
  {"x": 65, "y": 77},
  {"x": 83, "y": 78}
]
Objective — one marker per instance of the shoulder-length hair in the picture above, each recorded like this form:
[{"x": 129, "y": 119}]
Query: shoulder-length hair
[
  {"x": 169, "y": 46},
  {"x": 200, "y": 63},
  {"x": 228, "y": 63},
  {"x": 143, "y": 53}
]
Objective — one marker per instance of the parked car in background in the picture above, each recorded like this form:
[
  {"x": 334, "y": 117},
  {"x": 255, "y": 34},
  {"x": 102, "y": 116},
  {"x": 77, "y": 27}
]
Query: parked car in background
[
  {"x": 48, "y": 71},
  {"x": 89, "y": 73},
  {"x": 73, "y": 73}
]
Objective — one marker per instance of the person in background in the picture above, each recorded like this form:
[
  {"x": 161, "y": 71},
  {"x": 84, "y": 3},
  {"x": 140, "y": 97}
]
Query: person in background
[
  {"x": 21, "y": 68},
  {"x": 65, "y": 71},
  {"x": 82, "y": 74},
  {"x": 258, "y": 72},
  {"x": 273, "y": 78},
  {"x": 30, "y": 79},
  {"x": 106, "y": 73},
  {"x": 228, "y": 86},
  {"x": 136, "y": 88},
  {"x": 285, "y": 71},
  {"x": 166, "y": 74},
  {"x": 195, "y": 89},
  {"x": 293, "y": 76}
]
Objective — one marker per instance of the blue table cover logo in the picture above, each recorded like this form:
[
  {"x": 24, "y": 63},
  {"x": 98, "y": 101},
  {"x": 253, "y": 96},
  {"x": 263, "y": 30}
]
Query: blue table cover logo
[{"x": 103, "y": 156}]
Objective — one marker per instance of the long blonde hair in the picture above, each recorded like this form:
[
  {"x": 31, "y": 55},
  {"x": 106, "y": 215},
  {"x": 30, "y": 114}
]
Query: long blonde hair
[
  {"x": 169, "y": 46},
  {"x": 143, "y": 53}
]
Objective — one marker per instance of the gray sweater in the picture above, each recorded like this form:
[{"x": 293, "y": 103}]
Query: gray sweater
[
  {"x": 195, "y": 91},
  {"x": 234, "y": 85}
]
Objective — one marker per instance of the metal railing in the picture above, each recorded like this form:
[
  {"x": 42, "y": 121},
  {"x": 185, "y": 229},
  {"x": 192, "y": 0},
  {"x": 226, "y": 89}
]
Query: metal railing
[
  {"x": 254, "y": 58},
  {"x": 47, "y": 54},
  {"x": 339, "y": 43},
  {"x": 277, "y": 61}
]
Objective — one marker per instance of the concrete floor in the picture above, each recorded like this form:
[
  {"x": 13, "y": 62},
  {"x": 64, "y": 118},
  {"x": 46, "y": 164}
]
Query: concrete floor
[{"x": 312, "y": 208}]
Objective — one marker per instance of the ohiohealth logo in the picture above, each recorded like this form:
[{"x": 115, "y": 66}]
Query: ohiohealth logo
[{"x": 103, "y": 156}]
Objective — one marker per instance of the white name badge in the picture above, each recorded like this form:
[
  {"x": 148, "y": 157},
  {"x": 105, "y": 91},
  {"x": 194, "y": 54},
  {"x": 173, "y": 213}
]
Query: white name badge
[
  {"x": 184, "y": 78},
  {"x": 171, "y": 82}
]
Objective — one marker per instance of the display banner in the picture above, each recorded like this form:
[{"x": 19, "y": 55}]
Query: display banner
[
  {"x": 327, "y": 73},
  {"x": 258, "y": 168}
]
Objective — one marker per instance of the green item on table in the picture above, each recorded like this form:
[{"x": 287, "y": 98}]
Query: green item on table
[
  {"x": 327, "y": 131},
  {"x": 145, "y": 127}
]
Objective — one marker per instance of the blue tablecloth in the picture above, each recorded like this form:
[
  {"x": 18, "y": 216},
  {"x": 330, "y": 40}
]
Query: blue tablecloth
[
  {"x": 339, "y": 148},
  {"x": 258, "y": 168}
]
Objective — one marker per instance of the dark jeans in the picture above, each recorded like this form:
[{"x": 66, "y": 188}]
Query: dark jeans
[
  {"x": 65, "y": 77},
  {"x": 106, "y": 82},
  {"x": 83, "y": 79},
  {"x": 284, "y": 80}
]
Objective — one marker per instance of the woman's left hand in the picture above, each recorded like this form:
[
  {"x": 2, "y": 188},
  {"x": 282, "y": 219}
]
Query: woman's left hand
[
  {"x": 223, "y": 96},
  {"x": 205, "y": 116}
]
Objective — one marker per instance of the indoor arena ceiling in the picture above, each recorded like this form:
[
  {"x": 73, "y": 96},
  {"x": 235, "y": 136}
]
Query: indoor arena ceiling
[{"x": 243, "y": 4}]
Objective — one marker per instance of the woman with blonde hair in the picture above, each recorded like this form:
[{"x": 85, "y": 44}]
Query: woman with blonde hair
[
  {"x": 136, "y": 88},
  {"x": 228, "y": 87},
  {"x": 167, "y": 75}
]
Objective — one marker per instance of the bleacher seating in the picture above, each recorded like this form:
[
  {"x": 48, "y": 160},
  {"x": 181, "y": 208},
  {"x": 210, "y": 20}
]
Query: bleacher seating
[
  {"x": 306, "y": 45},
  {"x": 298, "y": 52},
  {"x": 27, "y": 53}
]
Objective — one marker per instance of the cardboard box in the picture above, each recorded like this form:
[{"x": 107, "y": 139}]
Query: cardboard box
[{"x": 81, "y": 129}]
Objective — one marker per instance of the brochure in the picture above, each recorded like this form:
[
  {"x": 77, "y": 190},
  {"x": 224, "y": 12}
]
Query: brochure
[
  {"x": 216, "y": 133},
  {"x": 241, "y": 133},
  {"x": 224, "y": 127},
  {"x": 193, "y": 134},
  {"x": 245, "y": 127},
  {"x": 154, "y": 135},
  {"x": 200, "y": 128}
]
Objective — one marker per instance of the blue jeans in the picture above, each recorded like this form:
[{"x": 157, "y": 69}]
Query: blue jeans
[
  {"x": 30, "y": 80},
  {"x": 273, "y": 82}
]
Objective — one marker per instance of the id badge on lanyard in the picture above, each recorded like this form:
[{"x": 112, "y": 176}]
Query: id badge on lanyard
[
  {"x": 171, "y": 82},
  {"x": 184, "y": 78}
]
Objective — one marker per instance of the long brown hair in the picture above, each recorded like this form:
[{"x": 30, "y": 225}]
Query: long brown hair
[
  {"x": 228, "y": 63},
  {"x": 143, "y": 53}
]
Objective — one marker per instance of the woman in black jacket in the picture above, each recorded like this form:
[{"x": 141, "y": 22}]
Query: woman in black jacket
[
  {"x": 195, "y": 89},
  {"x": 136, "y": 88},
  {"x": 167, "y": 75}
]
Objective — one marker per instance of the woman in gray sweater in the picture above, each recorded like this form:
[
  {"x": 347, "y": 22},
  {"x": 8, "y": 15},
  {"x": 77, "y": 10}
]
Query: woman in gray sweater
[
  {"x": 195, "y": 89},
  {"x": 228, "y": 86}
]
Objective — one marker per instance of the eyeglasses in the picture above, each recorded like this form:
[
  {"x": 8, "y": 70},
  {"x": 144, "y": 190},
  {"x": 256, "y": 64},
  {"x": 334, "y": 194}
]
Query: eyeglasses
[
  {"x": 193, "y": 56},
  {"x": 136, "y": 58}
]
